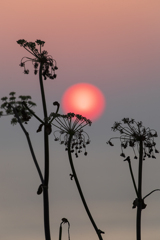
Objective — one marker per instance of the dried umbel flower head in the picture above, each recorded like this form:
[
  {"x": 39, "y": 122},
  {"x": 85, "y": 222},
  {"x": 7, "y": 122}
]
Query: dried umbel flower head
[
  {"x": 71, "y": 125},
  {"x": 131, "y": 133},
  {"x": 16, "y": 107},
  {"x": 49, "y": 65}
]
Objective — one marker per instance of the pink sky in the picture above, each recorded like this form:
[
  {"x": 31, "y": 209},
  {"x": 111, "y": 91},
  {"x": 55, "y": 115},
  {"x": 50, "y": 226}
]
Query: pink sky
[{"x": 113, "y": 45}]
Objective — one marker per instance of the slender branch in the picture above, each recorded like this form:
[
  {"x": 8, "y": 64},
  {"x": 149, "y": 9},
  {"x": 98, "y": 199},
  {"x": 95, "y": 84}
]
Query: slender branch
[
  {"x": 42, "y": 91},
  {"x": 151, "y": 193},
  {"x": 58, "y": 120},
  {"x": 80, "y": 190},
  {"x": 32, "y": 112},
  {"x": 31, "y": 52},
  {"x": 132, "y": 176},
  {"x": 58, "y": 105},
  {"x": 28, "y": 59},
  {"x": 30, "y": 145}
]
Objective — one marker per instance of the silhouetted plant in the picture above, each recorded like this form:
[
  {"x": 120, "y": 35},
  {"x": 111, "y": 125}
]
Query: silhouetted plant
[
  {"x": 11, "y": 104},
  {"x": 70, "y": 133},
  {"x": 133, "y": 134},
  {"x": 70, "y": 126},
  {"x": 21, "y": 111},
  {"x": 47, "y": 65},
  {"x": 64, "y": 220}
]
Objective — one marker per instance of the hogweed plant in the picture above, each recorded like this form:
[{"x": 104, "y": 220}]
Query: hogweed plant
[
  {"x": 70, "y": 133},
  {"x": 142, "y": 140},
  {"x": 69, "y": 127},
  {"x": 13, "y": 106},
  {"x": 46, "y": 66}
]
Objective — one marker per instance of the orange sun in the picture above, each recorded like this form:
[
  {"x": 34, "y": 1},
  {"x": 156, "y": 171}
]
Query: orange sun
[{"x": 84, "y": 99}]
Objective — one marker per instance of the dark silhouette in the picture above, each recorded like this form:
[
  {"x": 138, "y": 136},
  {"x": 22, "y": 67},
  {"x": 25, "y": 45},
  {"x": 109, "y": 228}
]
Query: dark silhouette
[
  {"x": 134, "y": 134},
  {"x": 22, "y": 113},
  {"x": 71, "y": 134}
]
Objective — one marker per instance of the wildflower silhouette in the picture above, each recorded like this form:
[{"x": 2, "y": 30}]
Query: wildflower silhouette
[
  {"x": 70, "y": 133},
  {"x": 70, "y": 126},
  {"x": 11, "y": 104},
  {"x": 46, "y": 66},
  {"x": 133, "y": 134},
  {"x": 19, "y": 110}
]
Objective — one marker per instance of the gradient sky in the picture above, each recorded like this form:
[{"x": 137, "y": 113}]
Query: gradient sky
[{"x": 115, "y": 45}]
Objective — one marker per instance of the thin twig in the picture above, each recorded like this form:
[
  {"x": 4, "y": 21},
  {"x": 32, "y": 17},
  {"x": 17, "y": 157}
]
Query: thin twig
[
  {"x": 32, "y": 112},
  {"x": 132, "y": 176},
  {"x": 151, "y": 193}
]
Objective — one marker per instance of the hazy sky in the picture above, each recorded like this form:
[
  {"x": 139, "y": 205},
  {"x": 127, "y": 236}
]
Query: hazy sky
[{"x": 115, "y": 45}]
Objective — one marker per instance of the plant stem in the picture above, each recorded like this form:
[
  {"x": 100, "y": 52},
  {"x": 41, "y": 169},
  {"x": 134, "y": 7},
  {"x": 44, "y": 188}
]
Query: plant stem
[
  {"x": 151, "y": 193},
  {"x": 60, "y": 232},
  {"x": 80, "y": 190},
  {"x": 32, "y": 112},
  {"x": 46, "y": 214},
  {"x": 42, "y": 91},
  {"x": 30, "y": 145},
  {"x": 132, "y": 176},
  {"x": 139, "y": 206},
  {"x": 46, "y": 161}
]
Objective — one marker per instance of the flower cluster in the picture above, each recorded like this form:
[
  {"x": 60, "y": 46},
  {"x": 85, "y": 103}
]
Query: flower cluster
[
  {"x": 71, "y": 125},
  {"x": 14, "y": 107},
  {"x": 132, "y": 133},
  {"x": 49, "y": 65}
]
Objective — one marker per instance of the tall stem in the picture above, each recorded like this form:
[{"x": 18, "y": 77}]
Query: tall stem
[
  {"x": 80, "y": 190},
  {"x": 46, "y": 161},
  {"x": 30, "y": 145},
  {"x": 132, "y": 176},
  {"x": 139, "y": 206},
  {"x": 42, "y": 90}
]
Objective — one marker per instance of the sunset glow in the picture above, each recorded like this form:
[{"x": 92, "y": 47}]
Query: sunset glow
[
  {"x": 107, "y": 54},
  {"x": 84, "y": 99}
]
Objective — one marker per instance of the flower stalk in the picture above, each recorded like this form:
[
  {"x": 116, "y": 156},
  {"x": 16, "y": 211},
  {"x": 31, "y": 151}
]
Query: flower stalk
[
  {"x": 46, "y": 160},
  {"x": 71, "y": 134},
  {"x": 30, "y": 146},
  {"x": 64, "y": 220},
  {"x": 47, "y": 67},
  {"x": 134, "y": 134},
  {"x": 132, "y": 175},
  {"x": 80, "y": 190},
  {"x": 140, "y": 201}
]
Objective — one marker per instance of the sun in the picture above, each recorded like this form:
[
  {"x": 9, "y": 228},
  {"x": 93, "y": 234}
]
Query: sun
[{"x": 84, "y": 99}]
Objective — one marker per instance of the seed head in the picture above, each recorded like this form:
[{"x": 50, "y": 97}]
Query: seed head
[
  {"x": 132, "y": 133},
  {"x": 71, "y": 125},
  {"x": 38, "y": 57}
]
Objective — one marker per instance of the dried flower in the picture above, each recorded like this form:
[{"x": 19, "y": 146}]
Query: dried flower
[
  {"x": 131, "y": 133},
  {"x": 72, "y": 125},
  {"x": 49, "y": 64},
  {"x": 13, "y": 106}
]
